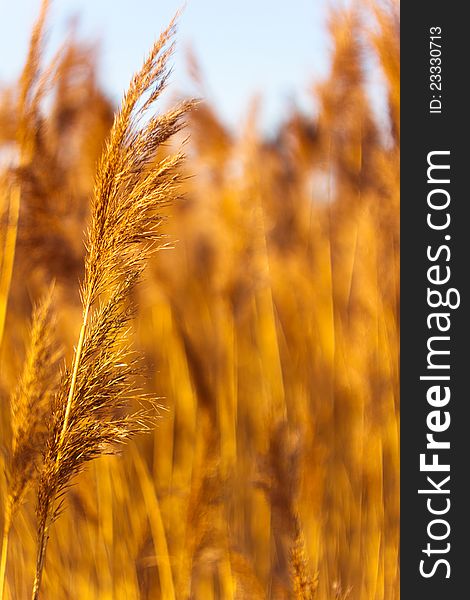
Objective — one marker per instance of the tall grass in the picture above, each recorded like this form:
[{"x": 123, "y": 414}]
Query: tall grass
[{"x": 270, "y": 331}]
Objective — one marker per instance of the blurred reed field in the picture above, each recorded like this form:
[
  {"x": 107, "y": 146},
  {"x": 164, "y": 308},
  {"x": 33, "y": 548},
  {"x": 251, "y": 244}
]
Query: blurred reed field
[{"x": 268, "y": 324}]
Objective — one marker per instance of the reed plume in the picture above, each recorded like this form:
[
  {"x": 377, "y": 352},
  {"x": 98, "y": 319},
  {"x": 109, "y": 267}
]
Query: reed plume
[
  {"x": 31, "y": 90},
  {"x": 280, "y": 481},
  {"x": 29, "y": 406},
  {"x": 28, "y": 400},
  {"x": 304, "y": 585},
  {"x": 132, "y": 184}
]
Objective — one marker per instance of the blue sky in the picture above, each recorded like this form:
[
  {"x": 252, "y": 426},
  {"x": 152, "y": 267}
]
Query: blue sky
[{"x": 273, "y": 48}]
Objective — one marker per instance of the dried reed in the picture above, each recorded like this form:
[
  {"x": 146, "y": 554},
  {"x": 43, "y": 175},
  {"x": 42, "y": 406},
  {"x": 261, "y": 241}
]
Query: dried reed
[
  {"x": 30, "y": 93},
  {"x": 30, "y": 405},
  {"x": 131, "y": 186}
]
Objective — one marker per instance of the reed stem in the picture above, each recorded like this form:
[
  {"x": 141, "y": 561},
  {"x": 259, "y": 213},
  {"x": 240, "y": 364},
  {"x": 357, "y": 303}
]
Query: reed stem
[
  {"x": 41, "y": 555},
  {"x": 4, "y": 555},
  {"x": 43, "y": 527},
  {"x": 9, "y": 248}
]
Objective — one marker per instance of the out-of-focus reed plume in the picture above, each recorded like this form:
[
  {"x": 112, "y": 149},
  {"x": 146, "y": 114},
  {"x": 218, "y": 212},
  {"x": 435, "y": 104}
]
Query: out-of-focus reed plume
[
  {"x": 31, "y": 89},
  {"x": 280, "y": 478},
  {"x": 30, "y": 406},
  {"x": 386, "y": 40}
]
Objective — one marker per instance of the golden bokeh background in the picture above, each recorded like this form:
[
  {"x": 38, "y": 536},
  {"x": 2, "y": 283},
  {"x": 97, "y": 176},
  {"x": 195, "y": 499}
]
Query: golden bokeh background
[{"x": 270, "y": 331}]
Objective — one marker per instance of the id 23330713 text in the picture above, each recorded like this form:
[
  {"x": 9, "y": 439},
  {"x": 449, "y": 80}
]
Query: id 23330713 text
[{"x": 435, "y": 70}]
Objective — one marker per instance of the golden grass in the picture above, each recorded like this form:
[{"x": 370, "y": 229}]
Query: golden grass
[{"x": 270, "y": 329}]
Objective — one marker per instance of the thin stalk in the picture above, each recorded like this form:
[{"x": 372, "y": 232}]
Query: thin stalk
[
  {"x": 76, "y": 364},
  {"x": 9, "y": 248},
  {"x": 41, "y": 556},
  {"x": 157, "y": 528},
  {"x": 6, "y": 273},
  {"x": 3, "y": 559},
  {"x": 44, "y": 526}
]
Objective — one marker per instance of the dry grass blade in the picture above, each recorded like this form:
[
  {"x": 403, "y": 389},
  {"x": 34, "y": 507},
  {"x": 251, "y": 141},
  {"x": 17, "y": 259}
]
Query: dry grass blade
[
  {"x": 131, "y": 185},
  {"x": 29, "y": 406}
]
